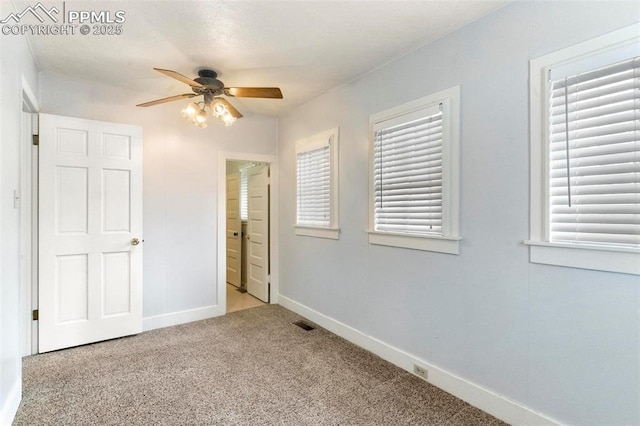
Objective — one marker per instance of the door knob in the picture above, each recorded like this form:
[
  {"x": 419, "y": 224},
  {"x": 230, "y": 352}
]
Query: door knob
[
  {"x": 235, "y": 234},
  {"x": 135, "y": 242}
]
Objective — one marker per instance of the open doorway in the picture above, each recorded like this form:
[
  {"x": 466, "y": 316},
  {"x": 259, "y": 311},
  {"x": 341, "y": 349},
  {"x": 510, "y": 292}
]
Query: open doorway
[
  {"x": 247, "y": 273},
  {"x": 271, "y": 219}
]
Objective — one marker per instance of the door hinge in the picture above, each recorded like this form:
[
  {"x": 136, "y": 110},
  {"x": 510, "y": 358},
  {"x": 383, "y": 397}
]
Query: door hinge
[
  {"x": 36, "y": 140},
  {"x": 34, "y": 315}
]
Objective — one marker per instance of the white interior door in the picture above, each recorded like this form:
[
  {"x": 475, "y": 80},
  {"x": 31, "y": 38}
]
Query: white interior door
[
  {"x": 90, "y": 225},
  {"x": 258, "y": 227},
  {"x": 234, "y": 229}
]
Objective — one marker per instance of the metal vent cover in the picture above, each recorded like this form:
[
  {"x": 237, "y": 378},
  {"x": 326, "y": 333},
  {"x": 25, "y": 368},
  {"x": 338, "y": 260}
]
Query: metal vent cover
[{"x": 303, "y": 325}]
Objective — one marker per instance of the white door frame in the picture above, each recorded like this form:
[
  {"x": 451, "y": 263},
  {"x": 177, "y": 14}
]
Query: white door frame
[
  {"x": 28, "y": 229},
  {"x": 223, "y": 157}
]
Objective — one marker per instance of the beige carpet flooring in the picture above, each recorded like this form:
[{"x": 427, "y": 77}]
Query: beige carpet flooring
[{"x": 252, "y": 367}]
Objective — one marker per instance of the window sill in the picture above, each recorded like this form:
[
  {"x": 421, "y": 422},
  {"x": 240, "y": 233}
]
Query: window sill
[
  {"x": 416, "y": 242},
  {"x": 314, "y": 231},
  {"x": 609, "y": 259}
]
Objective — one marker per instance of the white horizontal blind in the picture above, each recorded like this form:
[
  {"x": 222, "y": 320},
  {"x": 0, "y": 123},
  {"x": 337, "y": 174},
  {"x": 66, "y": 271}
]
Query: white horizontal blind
[
  {"x": 407, "y": 173},
  {"x": 594, "y": 181},
  {"x": 314, "y": 187},
  {"x": 244, "y": 195}
]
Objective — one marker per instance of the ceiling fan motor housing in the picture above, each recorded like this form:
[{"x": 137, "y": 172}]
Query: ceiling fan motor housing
[{"x": 212, "y": 86}]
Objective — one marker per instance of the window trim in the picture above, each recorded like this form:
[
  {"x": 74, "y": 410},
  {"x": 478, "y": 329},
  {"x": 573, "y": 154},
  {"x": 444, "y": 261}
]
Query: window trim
[
  {"x": 584, "y": 256},
  {"x": 449, "y": 241},
  {"x": 308, "y": 144}
]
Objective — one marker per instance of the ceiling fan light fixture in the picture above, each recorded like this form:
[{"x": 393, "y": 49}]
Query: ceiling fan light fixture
[
  {"x": 218, "y": 108},
  {"x": 207, "y": 85},
  {"x": 201, "y": 116},
  {"x": 190, "y": 110},
  {"x": 196, "y": 114},
  {"x": 228, "y": 119}
]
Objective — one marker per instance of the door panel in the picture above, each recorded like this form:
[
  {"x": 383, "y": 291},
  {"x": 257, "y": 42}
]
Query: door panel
[
  {"x": 90, "y": 204},
  {"x": 116, "y": 197},
  {"x": 72, "y": 207},
  {"x": 234, "y": 229},
  {"x": 258, "y": 244},
  {"x": 116, "y": 283},
  {"x": 72, "y": 287}
]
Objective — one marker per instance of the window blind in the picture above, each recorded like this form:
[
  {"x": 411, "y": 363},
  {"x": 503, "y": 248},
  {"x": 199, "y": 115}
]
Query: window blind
[
  {"x": 314, "y": 187},
  {"x": 594, "y": 180},
  {"x": 407, "y": 169},
  {"x": 244, "y": 195}
]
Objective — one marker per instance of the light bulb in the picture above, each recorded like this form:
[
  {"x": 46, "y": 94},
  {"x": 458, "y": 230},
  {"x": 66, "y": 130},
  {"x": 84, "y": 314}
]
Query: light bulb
[
  {"x": 191, "y": 109},
  {"x": 219, "y": 109},
  {"x": 228, "y": 120},
  {"x": 201, "y": 116}
]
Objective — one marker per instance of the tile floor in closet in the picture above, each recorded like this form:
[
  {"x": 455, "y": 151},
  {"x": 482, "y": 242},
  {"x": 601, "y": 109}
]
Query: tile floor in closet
[{"x": 237, "y": 301}]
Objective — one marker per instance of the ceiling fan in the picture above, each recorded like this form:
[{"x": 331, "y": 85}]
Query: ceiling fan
[{"x": 207, "y": 85}]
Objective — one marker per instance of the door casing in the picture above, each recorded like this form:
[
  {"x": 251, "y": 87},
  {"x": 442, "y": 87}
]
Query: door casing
[{"x": 28, "y": 223}]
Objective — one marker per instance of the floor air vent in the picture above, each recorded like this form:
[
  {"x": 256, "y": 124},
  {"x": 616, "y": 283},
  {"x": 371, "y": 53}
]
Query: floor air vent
[{"x": 303, "y": 325}]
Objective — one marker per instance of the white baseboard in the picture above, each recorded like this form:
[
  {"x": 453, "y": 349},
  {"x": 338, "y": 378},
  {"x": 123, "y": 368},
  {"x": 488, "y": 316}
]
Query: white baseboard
[
  {"x": 11, "y": 404},
  {"x": 509, "y": 411},
  {"x": 182, "y": 317}
]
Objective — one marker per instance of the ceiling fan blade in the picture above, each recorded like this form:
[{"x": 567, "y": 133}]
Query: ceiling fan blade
[
  {"x": 253, "y": 92},
  {"x": 179, "y": 77},
  {"x": 232, "y": 110},
  {"x": 169, "y": 99}
]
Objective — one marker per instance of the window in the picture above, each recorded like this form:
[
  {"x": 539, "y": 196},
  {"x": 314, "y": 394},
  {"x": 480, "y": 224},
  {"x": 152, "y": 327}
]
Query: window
[
  {"x": 585, "y": 142},
  {"x": 316, "y": 186},
  {"x": 244, "y": 194},
  {"x": 414, "y": 174}
]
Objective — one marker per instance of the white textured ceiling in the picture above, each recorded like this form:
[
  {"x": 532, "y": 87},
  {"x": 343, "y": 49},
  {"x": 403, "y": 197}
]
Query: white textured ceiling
[{"x": 303, "y": 47}]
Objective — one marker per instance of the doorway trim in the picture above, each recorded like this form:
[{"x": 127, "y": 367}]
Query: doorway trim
[
  {"x": 223, "y": 157},
  {"x": 28, "y": 221}
]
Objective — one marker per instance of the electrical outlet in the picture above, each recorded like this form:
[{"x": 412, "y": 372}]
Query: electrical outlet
[{"x": 420, "y": 371}]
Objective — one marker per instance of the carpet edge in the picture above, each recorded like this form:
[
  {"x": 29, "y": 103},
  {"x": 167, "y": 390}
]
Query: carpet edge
[
  {"x": 182, "y": 317},
  {"x": 497, "y": 405}
]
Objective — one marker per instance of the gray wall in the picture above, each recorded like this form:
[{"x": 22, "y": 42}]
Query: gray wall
[
  {"x": 562, "y": 341},
  {"x": 16, "y": 63}
]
